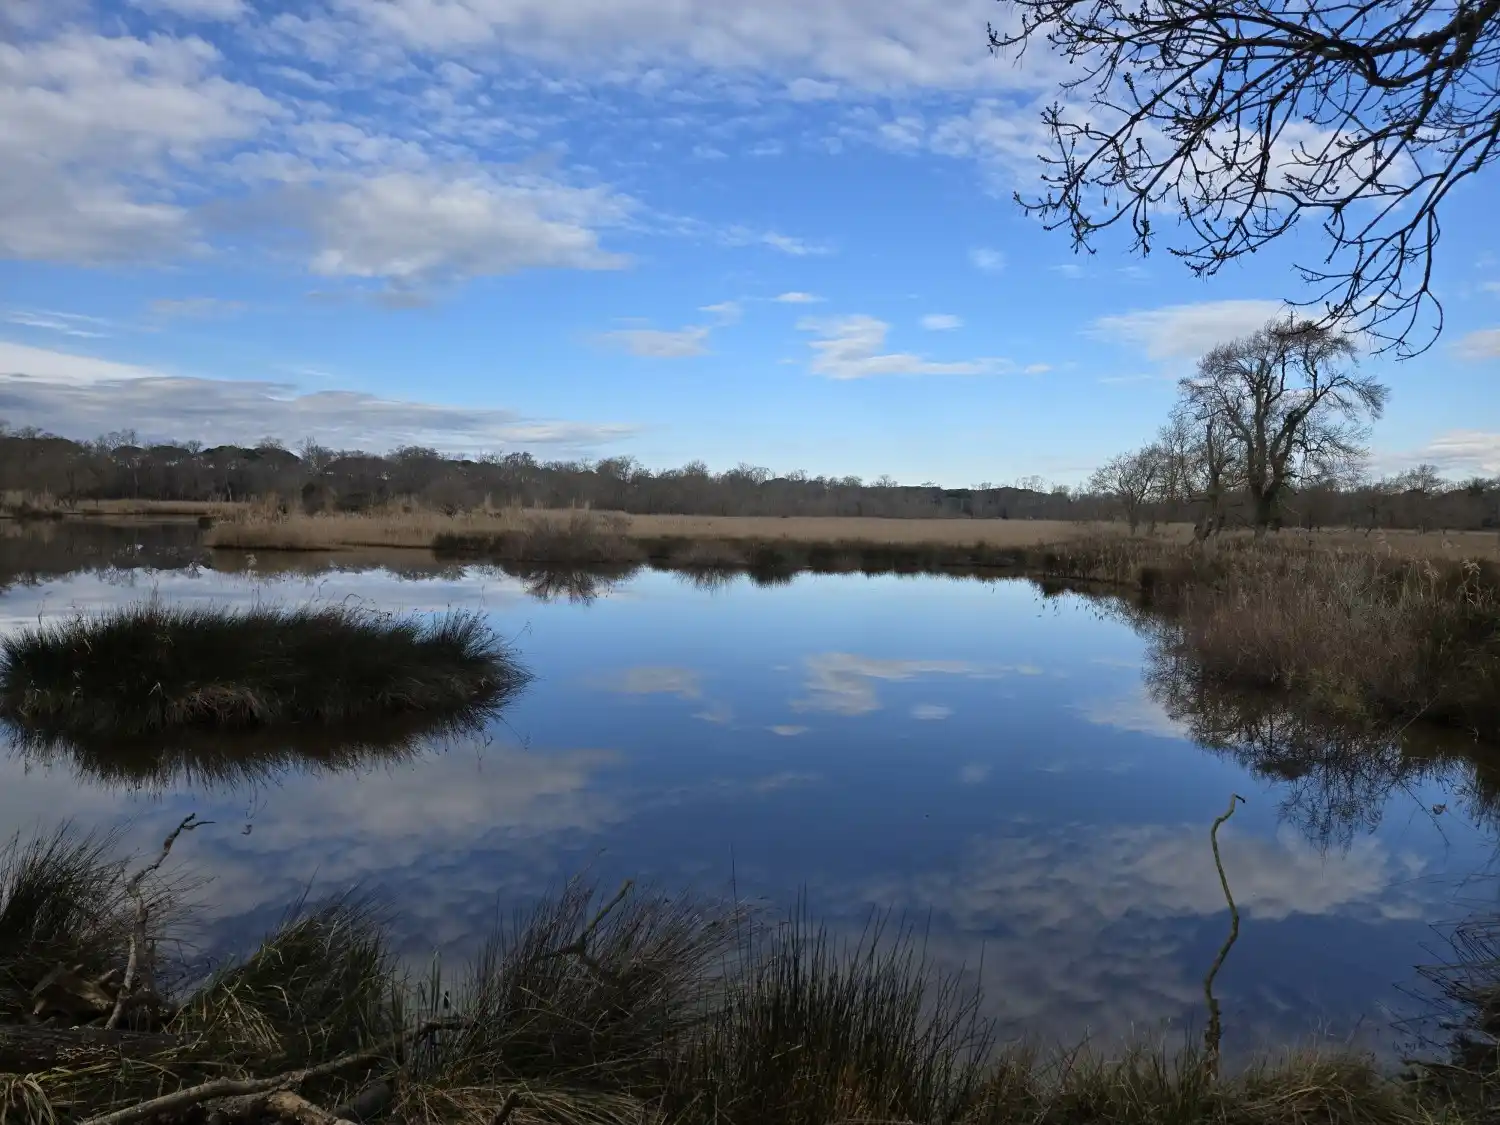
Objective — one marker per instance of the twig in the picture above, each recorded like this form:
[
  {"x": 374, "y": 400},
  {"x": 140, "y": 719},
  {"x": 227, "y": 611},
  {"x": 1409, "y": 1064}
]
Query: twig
[
  {"x": 507, "y": 1107},
  {"x": 142, "y": 911},
  {"x": 234, "y": 1087},
  {"x": 579, "y": 946},
  {"x": 1215, "y": 1030}
]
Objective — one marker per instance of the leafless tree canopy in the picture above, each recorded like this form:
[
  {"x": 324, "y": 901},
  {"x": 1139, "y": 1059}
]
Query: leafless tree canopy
[
  {"x": 1241, "y": 117},
  {"x": 1291, "y": 404}
]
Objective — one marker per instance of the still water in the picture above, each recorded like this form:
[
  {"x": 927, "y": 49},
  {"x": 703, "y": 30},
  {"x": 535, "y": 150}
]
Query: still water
[{"x": 1007, "y": 771}]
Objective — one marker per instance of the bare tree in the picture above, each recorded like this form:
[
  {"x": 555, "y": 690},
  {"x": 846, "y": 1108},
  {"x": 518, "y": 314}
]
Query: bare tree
[
  {"x": 1292, "y": 407},
  {"x": 1199, "y": 466},
  {"x": 1241, "y": 117},
  {"x": 1131, "y": 480}
]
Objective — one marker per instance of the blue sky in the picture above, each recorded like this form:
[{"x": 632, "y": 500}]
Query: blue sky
[{"x": 779, "y": 233}]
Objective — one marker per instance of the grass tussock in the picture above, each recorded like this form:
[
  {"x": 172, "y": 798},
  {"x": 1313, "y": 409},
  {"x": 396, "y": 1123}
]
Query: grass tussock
[
  {"x": 647, "y": 1009},
  {"x": 154, "y": 667},
  {"x": 62, "y": 900}
]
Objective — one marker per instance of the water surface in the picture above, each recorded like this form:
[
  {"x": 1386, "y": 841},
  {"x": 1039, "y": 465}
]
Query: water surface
[{"x": 1014, "y": 774}]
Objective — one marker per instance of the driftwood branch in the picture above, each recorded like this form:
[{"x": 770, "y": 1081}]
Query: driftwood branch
[
  {"x": 1215, "y": 1030},
  {"x": 242, "y": 1087},
  {"x": 138, "y": 938},
  {"x": 507, "y": 1107},
  {"x": 579, "y": 946}
]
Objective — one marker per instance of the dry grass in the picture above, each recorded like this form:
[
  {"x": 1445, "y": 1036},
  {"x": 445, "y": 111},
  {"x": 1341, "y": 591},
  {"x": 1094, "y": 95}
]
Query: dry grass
[
  {"x": 403, "y": 527},
  {"x": 418, "y": 529},
  {"x": 19, "y": 504}
]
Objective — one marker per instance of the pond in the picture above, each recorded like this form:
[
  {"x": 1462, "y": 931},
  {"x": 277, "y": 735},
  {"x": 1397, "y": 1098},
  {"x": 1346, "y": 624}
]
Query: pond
[{"x": 1015, "y": 775}]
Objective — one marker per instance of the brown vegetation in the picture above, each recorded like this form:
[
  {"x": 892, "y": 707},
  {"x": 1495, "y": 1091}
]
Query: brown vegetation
[{"x": 704, "y": 539}]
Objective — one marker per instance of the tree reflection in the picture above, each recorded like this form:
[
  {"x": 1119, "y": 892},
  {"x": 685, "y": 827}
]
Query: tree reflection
[
  {"x": 577, "y": 585},
  {"x": 1336, "y": 777},
  {"x": 211, "y": 760}
]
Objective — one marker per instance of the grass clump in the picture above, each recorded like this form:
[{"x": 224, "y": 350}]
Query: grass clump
[
  {"x": 153, "y": 667},
  {"x": 62, "y": 900}
]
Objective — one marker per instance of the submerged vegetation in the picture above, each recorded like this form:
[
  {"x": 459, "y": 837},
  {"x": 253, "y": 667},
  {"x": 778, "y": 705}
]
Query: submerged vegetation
[
  {"x": 153, "y": 668},
  {"x": 643, "y": 1009}
]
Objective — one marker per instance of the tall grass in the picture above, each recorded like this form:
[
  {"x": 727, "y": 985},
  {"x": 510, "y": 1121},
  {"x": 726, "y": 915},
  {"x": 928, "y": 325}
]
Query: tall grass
[
  {"x": 153, "y": 667},
  {"x": 1354, "y": 634},
  {"x": 62, "y": 901},
  {"x": 666, "y": 1010}
]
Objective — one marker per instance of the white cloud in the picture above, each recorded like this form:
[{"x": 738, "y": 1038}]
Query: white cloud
[
  {"x": 647, "y": 679},
  {"x": 726, "y": 312},
  {"x": 421, "y": 228},
  {"x": 797, "y": 298},
  {"x": 931, "y": 712},
  {"x": 98, "y": 130},
  {"x": 1084, "y": 926},
  {"x": 787, "y": 730},
  {"x": 657, "y": 343},
  {"x": 796, "y": 247},
  {"x": 1136, "y": 712},
  {"x": 850, "y": 348},
  {"x": 842, "y": 683},
  {"x": 813, "y": 49},
  {"x": 990, "y": 261},
  {"x": 196, "y": 9},
  {"x": 1068, "y": 269},
  {"x": 941, "y": 322},
  {"x": 79, "y": 396},
  {"x": 1187, "y": 331},
  {"x": 1483, "y": 344},
  {"x": 1457, "y": 453}
]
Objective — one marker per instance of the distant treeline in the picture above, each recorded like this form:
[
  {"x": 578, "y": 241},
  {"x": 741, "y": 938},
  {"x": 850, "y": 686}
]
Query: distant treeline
[{"x": 317, "y": 479}]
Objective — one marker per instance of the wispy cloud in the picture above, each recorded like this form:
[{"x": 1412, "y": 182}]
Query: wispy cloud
[
  {"x": 650, "y": 679},
  {"x": 987, "y": 259},
  {"x": 1186, "y": 331},
  {"x": 725, "y": 312},
  {"x": 941, "y": 322},
  {"x": 797, "y": 298},
  {"x": 64, "y": 324},
  {"x": 657, "y": 343},
  {"x": 1483, "y": 344},
  {"x": 852, "y": 348}
]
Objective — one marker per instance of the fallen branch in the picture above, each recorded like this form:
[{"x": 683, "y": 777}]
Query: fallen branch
[
  {"x": 1215, "y": 1030},
  {"x": 284, "y": 1104},
  {"x": 239, "y": 1087},
  {"x": 579, "y": 946},
  {"x": 507, "y": 1107},
  {"x": 138, "y": 936}
]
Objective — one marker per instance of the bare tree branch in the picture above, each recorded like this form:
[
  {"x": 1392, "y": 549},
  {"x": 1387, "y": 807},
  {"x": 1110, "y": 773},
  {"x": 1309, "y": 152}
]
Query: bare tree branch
[{"x": 1242, "y": 117}]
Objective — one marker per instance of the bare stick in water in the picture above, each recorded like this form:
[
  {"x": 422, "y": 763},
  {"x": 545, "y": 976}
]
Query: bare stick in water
[
  {"x": 1215, "y": 1030},
  {"x": 142, "y": 912}
]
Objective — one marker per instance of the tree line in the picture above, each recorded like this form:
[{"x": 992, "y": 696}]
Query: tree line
[
  {"x": 314, "y": 479},
  {"x": 1199, "y": 469}
]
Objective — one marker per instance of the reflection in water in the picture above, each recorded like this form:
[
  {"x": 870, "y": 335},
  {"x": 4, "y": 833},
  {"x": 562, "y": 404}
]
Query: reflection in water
[
  {"x": 213, "y": 761},
  {"x": 1335, "y": 778}
]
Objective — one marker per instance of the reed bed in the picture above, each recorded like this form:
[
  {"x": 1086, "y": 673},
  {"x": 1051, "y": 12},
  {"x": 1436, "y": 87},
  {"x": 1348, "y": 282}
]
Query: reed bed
[{"x": 154, "y": 667}]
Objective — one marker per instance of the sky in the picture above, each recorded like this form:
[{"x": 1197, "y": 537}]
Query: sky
[{"x": 779, "y": 233}]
